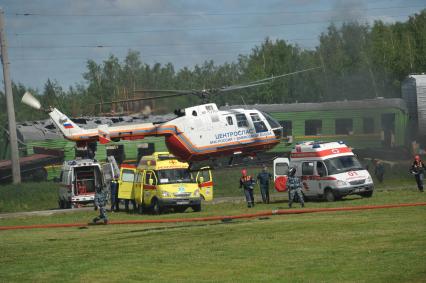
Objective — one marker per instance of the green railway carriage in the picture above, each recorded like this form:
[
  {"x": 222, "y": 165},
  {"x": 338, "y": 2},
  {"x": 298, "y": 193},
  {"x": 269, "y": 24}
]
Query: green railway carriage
[{"x": 363, "y": 124}]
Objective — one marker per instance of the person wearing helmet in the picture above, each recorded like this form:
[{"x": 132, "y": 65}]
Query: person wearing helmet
[
  {"x": 247, "y": 183},
  {"x": 100, "y": 203},
  {"x": 294, "y": 186},
  {"x": 418, "y": 170}
]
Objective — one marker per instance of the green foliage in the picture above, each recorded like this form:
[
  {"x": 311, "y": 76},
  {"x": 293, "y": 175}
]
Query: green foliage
[
  {"x": 357, "y": 246},
  {"x": 28, "y": 197}
]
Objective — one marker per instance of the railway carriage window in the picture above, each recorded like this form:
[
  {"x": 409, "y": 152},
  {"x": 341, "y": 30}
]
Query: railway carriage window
[
  {"x": 307, "y": 168},
  {"x": 368, "y": 125},
  {"x": 241, "y": 120},
  {"x": 287, "y": 128},
  {"x": 229, "y": 120},
  {"x": 313, "y": 127},
  {"x": 259, "y": 126},
  {"x": 344, "y": 126}
]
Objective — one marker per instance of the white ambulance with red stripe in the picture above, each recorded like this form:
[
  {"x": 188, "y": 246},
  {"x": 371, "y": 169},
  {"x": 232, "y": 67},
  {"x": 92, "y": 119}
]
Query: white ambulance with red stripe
[{"x": 328, "y": 170}]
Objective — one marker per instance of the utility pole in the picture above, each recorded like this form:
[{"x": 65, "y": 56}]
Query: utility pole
[{"x": 14, "y": 153}]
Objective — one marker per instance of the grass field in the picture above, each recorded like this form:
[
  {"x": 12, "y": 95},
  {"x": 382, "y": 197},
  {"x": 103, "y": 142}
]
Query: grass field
[{"x": 364, "y": 246}]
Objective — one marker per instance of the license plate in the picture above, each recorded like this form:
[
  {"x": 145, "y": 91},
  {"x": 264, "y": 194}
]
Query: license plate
[{"x": 182, "y": 202}]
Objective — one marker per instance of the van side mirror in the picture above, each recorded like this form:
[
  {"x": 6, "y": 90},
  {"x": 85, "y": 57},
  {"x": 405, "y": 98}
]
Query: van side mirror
[{"x": 151, "y": 181}]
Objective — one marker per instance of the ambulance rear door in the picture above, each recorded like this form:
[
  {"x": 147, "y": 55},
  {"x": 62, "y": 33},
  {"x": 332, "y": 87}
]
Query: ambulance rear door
[
  {"x": 125, "y": 183},
  {"x": 281, "y": 166},
  {"x": 205, "y": 183}
]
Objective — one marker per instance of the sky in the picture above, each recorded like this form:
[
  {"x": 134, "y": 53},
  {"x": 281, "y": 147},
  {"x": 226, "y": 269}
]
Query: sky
[{"x": 53, "y": 39}]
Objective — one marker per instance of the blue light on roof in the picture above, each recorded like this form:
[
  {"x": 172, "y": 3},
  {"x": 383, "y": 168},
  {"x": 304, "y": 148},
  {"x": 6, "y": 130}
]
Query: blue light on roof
[{"x": 316, "y": 145}]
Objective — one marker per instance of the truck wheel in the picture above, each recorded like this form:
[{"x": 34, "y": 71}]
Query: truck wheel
[
  {"x": 368, "y": 194},
  {"x": 196, "y": 208},
  {"x": 156, "y": 207},
  {"x": 329, "y": 195}
]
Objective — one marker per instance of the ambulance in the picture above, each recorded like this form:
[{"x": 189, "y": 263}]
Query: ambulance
[
  {"x": 161, "y": 182},
  {"x": 329, "y": 170}
]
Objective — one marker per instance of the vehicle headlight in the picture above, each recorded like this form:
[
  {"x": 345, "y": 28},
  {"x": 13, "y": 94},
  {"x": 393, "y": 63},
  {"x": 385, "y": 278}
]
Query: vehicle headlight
[
  {"x": 341, "y": 183},
  {"x": 196, "y": 193},
  {"x": 165, "y": 194},
  {"x": 369, "y": 180}
]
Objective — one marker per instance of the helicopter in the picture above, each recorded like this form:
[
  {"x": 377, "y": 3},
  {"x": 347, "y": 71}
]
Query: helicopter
[{"x": 198, "y": 133}]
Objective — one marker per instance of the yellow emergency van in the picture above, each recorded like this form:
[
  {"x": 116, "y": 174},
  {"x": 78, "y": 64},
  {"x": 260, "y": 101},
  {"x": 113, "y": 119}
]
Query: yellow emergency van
[{"x": 162, "y": 182}]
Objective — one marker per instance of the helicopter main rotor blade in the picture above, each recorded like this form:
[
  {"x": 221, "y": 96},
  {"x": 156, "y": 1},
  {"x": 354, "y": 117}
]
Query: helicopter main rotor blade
[
  {"x": 144, "y": 98},
  {"x": 285, "y": 75},
  {"x": 236, "y": 87}
]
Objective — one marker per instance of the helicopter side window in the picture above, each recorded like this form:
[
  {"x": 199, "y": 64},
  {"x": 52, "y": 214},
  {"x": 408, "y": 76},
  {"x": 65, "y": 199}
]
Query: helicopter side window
[
  {"x": 194, "y": 113},
  {"x": 241, "y": 120},
  {"x": 259, "y": 125},
  {"x": 229, "y": 120}
]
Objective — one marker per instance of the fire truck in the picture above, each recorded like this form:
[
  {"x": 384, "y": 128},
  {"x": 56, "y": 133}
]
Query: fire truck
[{"x": 329, "y": 170}]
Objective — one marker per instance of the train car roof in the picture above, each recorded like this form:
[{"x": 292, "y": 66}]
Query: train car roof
[{"x": 331, "y": 105}]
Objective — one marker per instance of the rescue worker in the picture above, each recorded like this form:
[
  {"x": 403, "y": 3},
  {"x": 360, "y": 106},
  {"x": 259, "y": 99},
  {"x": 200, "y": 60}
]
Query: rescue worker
[
  {"x": 418, "y": 170},
  {"x": 247, "y": 183},
  {"x": 263, "y": 179},
  {"x": 100, "y": 203},
  {"x": 114, "y": 194},
  {"x": 379, "y": 171},
  {"x": 294, "y": 186}
]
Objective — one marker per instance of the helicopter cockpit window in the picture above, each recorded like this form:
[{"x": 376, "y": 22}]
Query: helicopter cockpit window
[
  {"x": 229, "y": 120},
  {"x": 259, "y": 126},
  {"x": 241, "y": 120},
  {"x": 272, "y": 122}
]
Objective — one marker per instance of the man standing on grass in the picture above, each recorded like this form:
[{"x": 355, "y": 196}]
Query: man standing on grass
[
  {"x": 247, "y": 183},
  {"x": 294, "y": 186},
  {"x": 418, "y": 170},
  {"x": 263, "y": 178},
  {"x": 100, "y": 203}
]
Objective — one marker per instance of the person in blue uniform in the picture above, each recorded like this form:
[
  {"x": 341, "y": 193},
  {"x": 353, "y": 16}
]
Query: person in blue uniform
[
  {"x": 263, "y": 179},
  {"x": 294, "y": 186},
  {"x": 247, "y": 183}
]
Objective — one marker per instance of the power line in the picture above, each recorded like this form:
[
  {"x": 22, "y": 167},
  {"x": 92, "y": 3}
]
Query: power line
[
  {"x": 204, "y": 14},
  {"x": 194, "y": 28},
  {"x": 156, "y": 45}
]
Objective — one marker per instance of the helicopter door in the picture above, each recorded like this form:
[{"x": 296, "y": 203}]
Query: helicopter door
[
  {"x": 281, "y": 173},
  {"x": 205, "y": 183}
]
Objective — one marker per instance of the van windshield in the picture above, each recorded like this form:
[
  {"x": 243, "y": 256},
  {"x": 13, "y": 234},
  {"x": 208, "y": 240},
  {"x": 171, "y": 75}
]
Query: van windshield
[
  {"x": 342, "y": 164},
  {"x": 171, "y": 176}
]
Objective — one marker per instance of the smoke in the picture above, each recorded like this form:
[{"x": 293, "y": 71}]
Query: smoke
[{"x": 348, "y": 10}]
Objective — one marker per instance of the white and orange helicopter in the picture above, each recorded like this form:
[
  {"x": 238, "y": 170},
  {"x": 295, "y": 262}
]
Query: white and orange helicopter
[{"x": 199, "y": 133}]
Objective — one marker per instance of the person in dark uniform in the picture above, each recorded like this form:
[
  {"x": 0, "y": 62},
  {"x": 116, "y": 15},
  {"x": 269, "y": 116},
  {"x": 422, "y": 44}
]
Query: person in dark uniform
[
  {"x": 263, "y": 179},
  {"x": 247, "y": 183},
  {"x": 294, "y": 186},
  {"x": 114, "y": 195},
  {"x": 100, "y": 203},
  {"x": 379, "y": 171},
  {"x": 418, "y": 170}
]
